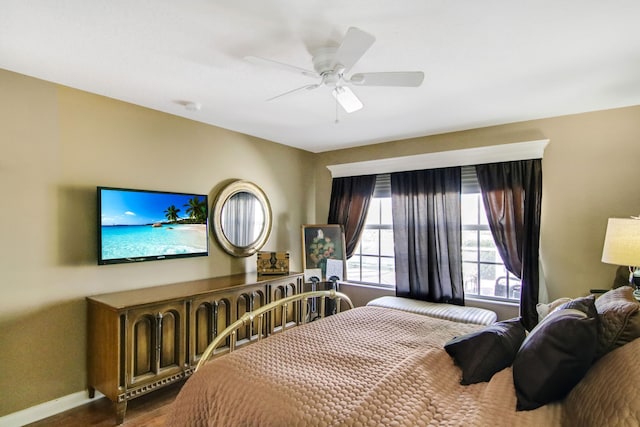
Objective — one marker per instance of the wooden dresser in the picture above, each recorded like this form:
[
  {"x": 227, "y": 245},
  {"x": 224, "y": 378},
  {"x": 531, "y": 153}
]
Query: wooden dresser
[{"x": 144, "y": 339}]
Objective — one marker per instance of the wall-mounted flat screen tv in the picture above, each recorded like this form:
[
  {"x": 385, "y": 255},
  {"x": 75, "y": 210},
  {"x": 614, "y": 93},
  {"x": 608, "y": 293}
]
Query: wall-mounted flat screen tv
[{"x": 143, "y": 225}]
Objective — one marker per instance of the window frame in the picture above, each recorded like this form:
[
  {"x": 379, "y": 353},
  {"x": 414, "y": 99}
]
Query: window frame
[
  {"x": 359, "y": 254},
  {"x": 470, "y": 185},
  {"x": 478, "y": 228}
]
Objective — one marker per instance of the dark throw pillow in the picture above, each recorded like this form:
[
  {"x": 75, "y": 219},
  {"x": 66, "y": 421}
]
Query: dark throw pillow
[
  {"x": 482, "y": 353},
  {"x": 554, "y": 357},
  {"x": 619, "y": 314},
  {"x": 587, "y": 305}
]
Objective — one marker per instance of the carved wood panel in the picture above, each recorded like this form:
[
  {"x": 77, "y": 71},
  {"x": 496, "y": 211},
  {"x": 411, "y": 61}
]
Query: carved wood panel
[
  {"x": 155, "y": 341},
  {"x": 210, "y": 315},
  {"x": 279, "y": 289}
]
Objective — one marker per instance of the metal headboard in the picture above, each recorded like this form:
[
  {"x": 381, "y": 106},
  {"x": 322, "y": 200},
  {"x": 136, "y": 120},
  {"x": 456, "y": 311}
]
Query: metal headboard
[{"x": 258, "y": 314}]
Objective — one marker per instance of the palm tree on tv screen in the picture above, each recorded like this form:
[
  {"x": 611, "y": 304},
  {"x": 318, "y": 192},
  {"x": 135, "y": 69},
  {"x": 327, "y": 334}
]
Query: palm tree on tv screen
[
  {"x": 172, "y": 213},
  {"x": 197, "y": 210}
]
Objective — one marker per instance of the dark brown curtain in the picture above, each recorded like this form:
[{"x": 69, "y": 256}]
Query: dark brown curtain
[
  {"x": 427, "y": 234},
  {"x": 512, "y": 195},
  {"x": 348, "y": 206}
]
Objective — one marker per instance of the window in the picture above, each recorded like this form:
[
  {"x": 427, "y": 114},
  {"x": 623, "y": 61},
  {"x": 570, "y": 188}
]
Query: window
[
  {"x": 484, "y": 273},
  {"x": 373, "y": 261}
]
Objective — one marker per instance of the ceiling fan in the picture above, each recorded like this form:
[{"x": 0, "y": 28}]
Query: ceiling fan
[{"x": 331, "y": 64}]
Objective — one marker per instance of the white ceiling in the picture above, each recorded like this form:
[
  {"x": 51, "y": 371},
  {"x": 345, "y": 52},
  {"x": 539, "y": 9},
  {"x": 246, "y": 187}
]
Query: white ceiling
[{"x": 486, "y": 62}]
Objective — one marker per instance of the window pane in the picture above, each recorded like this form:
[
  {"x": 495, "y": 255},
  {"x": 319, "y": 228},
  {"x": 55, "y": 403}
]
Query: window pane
[
  {"x": 515, "y": 287},
  {"x": 469, "y": 245},
  {"x": 501, "y": 286},
  {"x": 375, "y": 262},
  {"x": 353, "y": 268},
  {"x": 469, "y": 207},
  {"x": 386, "y": 242},
  {"x": 369, "y": 242},
  {"x": 483, "y": 212},
  {"x": 470, "y": 277},
  {"x": 385, "y": 211},
  {"x": 387, "y": 271},
  {"x": 373, "y": 215},
  {"x": 488, "y": 276},
  {"x": 370, "y": 269},
  {"x": 483, "y": 271},
  {"x": 488, "y": 250},
  {"x": 507, "y": 285}
]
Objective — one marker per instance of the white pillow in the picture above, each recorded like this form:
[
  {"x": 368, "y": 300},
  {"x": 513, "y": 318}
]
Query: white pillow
[{"x": 544, "y": 309}]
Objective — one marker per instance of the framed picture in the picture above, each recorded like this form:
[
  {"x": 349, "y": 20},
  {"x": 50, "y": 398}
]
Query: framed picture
[{"x": 321, "y": 242}]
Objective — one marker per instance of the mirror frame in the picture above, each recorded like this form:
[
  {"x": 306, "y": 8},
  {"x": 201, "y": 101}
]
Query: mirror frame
[{"x": 240, "y": 186}]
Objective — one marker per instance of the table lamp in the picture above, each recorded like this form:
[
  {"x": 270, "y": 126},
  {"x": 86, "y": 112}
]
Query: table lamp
[{"x": 622, "y": 247}]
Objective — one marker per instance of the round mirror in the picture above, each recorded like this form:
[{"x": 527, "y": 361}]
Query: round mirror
[{"x": 241, "y": 218}]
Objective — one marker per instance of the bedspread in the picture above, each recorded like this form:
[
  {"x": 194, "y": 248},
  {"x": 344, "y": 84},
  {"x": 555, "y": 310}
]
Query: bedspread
[{"x": 368, "y": 366}]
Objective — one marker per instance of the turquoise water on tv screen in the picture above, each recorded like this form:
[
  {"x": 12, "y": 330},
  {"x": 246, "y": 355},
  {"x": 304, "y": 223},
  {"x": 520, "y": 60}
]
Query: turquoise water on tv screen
[{"x": 135, "y": 241}]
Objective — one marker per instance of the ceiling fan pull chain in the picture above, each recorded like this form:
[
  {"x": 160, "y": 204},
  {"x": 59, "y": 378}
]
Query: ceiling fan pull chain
[{"x": 337, "y": 120}]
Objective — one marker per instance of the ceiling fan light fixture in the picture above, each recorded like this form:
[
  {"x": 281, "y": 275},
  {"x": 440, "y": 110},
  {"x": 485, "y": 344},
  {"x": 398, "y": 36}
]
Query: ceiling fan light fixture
[{"x": 347, "y": 99}]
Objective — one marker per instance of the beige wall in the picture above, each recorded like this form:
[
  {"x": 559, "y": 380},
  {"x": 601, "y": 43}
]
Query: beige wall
[
  {"x": 590, "y": 173},
  {"x": 57, "y": 145}
]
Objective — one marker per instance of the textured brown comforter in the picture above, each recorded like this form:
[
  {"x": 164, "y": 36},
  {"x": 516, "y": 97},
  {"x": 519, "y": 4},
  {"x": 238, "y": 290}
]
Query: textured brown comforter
[{"x": 369, "y": 366}]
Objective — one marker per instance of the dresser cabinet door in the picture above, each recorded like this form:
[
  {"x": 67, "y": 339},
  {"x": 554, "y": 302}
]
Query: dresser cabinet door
[
  {"x": 155, "y": 342},
  {"x": 210, "y": 315},
  {"x": 246, "y": 299},
  {"x": 279, "y": 289}
]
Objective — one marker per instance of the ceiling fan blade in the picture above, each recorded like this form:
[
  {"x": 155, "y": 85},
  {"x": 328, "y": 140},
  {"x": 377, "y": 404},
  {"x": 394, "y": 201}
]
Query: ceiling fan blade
[
  {"x": 308, "y": 87},
  {"x": 355, "y": 43},
  {"x": 347, "y": 99},
  {"x": 269, "y": 62},
  {"x": 393, "y": 78}
]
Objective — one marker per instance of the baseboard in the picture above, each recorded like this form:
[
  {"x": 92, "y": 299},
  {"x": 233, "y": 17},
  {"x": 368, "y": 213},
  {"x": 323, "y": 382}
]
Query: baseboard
[{"x": 47, "y": 409}]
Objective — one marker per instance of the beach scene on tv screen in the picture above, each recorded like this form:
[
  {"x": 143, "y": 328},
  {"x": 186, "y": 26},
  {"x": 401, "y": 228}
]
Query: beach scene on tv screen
[{"x": 145, "y": 224}]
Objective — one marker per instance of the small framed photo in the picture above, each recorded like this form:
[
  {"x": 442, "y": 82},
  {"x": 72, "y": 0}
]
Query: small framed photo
[{"x": 320, "y": 243}]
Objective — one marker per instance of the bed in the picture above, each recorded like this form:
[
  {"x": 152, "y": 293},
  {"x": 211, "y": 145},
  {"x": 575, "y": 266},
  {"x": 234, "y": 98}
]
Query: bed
[{"x": 374, "y": 365}]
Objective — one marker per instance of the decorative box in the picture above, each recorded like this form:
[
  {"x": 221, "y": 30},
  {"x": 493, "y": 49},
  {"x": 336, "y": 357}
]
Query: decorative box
[{"x": 273, "y": 263}]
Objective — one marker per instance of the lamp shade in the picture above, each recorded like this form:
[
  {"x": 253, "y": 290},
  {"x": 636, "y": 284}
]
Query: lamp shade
[{"x": 622, "y": 242}]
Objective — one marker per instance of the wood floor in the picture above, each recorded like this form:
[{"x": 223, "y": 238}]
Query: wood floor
[{"x": 149, "y": 411}]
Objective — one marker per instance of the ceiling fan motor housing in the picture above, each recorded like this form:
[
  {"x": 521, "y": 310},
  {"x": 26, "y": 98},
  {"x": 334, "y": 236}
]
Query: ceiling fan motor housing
[{"x": 323, "y": 64}]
